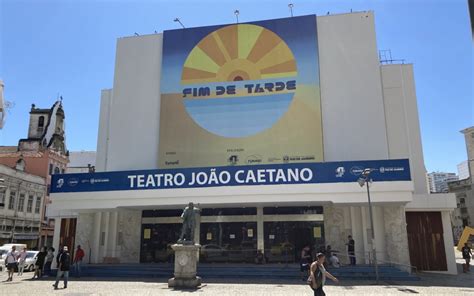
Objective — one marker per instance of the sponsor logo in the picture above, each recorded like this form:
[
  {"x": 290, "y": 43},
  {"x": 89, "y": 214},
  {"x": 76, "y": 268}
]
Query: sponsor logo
[
  {"x": 356, "y": 170},
  {"x": 252, "y": 159},
  {"x": 274, "y": 159},
  {"x": 340, "y": 172},
  {"x": 176, "y": 162},
  {"x": 286, "y": 159},
  {"x": 233, "y": 159},
  {"x": 382, "y": 170},
  {"x": 73, "y": 182},
  {"x": 60, "y": 183}
]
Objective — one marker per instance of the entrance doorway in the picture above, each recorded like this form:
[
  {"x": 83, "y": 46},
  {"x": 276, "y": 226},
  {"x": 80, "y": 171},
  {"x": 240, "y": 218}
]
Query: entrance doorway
[{"x": 285, "y": 240}]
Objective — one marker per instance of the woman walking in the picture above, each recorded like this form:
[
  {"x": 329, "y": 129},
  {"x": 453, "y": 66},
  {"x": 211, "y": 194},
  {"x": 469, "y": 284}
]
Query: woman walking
[
  {"x": 318, "y": 275},
  {"x": 40, "y": 257}
]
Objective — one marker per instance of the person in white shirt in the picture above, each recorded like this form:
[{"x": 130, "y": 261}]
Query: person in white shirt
[
  {"x": 21, "y": 261},
  {"x": 334, "y": 261},
  {"x": 11, "y": 263}
]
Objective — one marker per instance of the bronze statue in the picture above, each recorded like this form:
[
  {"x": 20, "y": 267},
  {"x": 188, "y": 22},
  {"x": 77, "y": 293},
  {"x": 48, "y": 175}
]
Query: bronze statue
[{"x": 189, "y": 224}]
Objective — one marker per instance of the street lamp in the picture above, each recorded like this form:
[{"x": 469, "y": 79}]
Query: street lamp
[{"x": 365, "y": 180}]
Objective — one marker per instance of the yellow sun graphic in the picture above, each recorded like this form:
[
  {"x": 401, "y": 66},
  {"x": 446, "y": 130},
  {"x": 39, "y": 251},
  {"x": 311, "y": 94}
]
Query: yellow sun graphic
[{"x": 236, "y": 53}]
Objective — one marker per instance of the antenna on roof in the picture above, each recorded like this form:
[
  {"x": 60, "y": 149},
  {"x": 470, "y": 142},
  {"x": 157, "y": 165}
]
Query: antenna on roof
[
  {"x": 291, "y": 8},
  {"x": 236, "y": 12},
  {"x": 178, "y": 21},
  {"x": 136, "y": 34}
]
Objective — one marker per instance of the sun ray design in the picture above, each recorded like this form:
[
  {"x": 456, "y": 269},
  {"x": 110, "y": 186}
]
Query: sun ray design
[{"x": 239, "y": 52}]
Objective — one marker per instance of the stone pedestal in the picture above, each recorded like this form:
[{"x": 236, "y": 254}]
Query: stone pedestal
[{"x": 185, "y": 266}]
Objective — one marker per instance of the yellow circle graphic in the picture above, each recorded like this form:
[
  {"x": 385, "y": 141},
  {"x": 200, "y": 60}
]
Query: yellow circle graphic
[{"x": 237, "y": 53}]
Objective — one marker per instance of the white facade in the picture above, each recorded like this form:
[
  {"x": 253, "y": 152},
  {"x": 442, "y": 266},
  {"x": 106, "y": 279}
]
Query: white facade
[
  {"x": 371, "y": 115},
  {"x": 463, "y": 170}
]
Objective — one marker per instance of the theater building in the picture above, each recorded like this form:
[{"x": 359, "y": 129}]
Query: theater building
[{"x": 266, "y": 126}]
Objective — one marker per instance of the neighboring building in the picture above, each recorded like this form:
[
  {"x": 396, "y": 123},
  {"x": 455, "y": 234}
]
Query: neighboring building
[
  {"x": 81, "y": 162},
  {"x": 286, "y": 114},
  {"x": 438, "y": 181},
  {"x": 463, "y": 215},
  {"x": 43, "y": 152},
  {"x": 463, "y": 170},
  {"x": 21, "y": 204}
]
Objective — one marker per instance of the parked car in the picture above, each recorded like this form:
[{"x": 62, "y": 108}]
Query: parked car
[
  {"x": 213, "y": 253},
  {"x": 30, "y": 261}
]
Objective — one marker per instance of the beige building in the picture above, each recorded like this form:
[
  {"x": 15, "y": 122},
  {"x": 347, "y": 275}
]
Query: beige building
[{"x": 21, "y": 202}]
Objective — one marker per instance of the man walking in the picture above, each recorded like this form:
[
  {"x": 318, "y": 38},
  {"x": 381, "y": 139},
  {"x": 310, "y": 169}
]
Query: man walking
[
  {"x": 78, "y": 260},
  {"x": 466, "y": 255},
  {"x": 63, "y": 268},
  {"x": 351, "y": 250},
  {"x": 11, "y": 263}
]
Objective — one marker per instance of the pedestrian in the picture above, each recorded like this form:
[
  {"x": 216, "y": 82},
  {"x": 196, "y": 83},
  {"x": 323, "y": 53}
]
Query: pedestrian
[
  {"x": 466, "y": 255},
  {"x": 40, "y": 257},
  {"x": 11, "y": 263},
  {"x": 335, "y": 261},
  {"x": 49, "y": 261},
  {"x": 305, "y": 262},
  {"x": 63, "y": 268},
  {"x": 21, "y": 261},
  {"x": 318, "y": 274},
  {"x": 60, "y": 251},
  {"x": 78, "y": 260},
  {"x": 351, "y": 250}
]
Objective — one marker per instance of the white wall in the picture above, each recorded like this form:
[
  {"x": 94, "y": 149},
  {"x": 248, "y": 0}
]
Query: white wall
[
  {"x": 351, "y": 93},
  {"x": 135, "y": 108},
  {"x": 103, "y": 134},
  {"x": 403, "y": 127}
]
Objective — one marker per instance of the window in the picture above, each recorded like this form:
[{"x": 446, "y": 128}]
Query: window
[
  {"x": 11, "y": 201},
  {"x": 2, "y": 199},
  {"x": 56, "y": 170},
  {"x": 21, "y": 203},
  {"x": 50, "y": 168},
  {"x": 38, "y": 204},
  {"x": 41, "y": 122},
  {"x": 29, "y": 206}
]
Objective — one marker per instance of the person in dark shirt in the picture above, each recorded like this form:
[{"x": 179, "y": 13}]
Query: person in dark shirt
[
  {"x": 351, "y": 250},
  {"x": 466, "y": 255},
  {"x": 40, "y": 258},
  {"x": 63, "y": 267}
]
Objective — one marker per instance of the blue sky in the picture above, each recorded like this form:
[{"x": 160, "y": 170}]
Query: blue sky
[{"x": 68, "y": 47}]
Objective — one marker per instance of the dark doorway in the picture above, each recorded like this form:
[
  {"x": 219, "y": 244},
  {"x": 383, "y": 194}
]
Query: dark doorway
[
  {"x": 285, "y": 240},
  {"x": 67, "y": 234},
  {"x": 425, "y": 240},
  {"x": 156, "y": 241}
]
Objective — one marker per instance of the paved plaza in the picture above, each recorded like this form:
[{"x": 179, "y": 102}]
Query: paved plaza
[{"x": 430, "y": 284}]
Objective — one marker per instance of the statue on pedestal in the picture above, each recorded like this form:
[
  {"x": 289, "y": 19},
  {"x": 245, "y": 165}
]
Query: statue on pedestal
[{"x": 186, "y": 253}]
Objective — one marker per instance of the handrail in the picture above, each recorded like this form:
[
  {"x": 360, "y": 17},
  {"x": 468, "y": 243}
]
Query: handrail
[{"x": 370, "y": 259}]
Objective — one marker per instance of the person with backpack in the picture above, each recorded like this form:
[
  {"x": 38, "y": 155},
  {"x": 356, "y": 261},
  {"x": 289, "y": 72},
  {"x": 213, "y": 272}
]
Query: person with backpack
[
  {"x": 318, "y": 275},
  {"x": 63, "y": 267}
]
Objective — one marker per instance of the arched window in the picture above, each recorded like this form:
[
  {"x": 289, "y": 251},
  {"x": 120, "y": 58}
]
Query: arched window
[
  {"x": 41, "y": 122},
  {"x": 56, "y": 170}
]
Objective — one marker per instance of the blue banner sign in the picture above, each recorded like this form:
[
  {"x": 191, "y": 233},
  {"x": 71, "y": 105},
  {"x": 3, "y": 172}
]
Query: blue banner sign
[{"x": 298, "y": 173}]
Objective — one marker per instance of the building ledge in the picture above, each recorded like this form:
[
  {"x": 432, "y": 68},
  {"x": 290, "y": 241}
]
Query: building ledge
[{"x": 432, "y": 202}]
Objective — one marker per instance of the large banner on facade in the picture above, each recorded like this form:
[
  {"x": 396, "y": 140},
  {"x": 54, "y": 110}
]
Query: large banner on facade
[
  {"x": 241, "y": 94},
  {"x": 277, "y": 174}
]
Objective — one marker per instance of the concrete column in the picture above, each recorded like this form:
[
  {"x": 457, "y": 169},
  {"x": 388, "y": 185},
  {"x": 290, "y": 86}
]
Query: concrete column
[
  {"x": 260, "y": 234},
  {"x": 104, "y": 224},
  {"x": 112, "y": 236},
  {"x": 95, "y": 245},
  {"x": 379, "y": 227},
  {"x": 357, "y": 235},
  {"x": 448, "y": 242},
  {"x": 197, "y": 231},
  {"x": 56, "y": 235}
]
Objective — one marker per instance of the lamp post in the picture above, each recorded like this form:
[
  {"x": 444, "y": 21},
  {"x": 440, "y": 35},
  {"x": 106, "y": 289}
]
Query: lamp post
[{"x": 365, "y": 180}]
